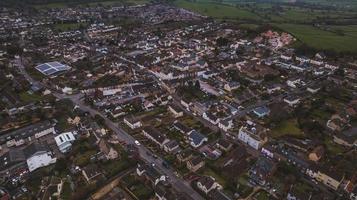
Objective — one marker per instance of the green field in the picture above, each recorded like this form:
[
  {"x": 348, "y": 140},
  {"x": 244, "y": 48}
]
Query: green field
[
  {"x": 322, "y": 39},
  {"x": 288, "y": 127},
  {"x": 289, "y": 17},
  {"x": 220, "y": 11}
]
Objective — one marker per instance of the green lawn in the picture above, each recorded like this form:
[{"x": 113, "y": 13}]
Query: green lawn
[
  {"x": 332, "y": 147},
  {"x": 288, "y": 127},
  {"x": 220, "y": 11},
  {"x": 321, "y": 39},
  {"x": 27, "y": 97},
  {"x": 262, "y": 195}
]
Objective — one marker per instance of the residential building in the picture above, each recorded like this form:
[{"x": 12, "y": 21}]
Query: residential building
[
  {"x": 262, "y": 170},
  {"x": 155, "y": 136},
  {"x": 225, "y": 124},
  {"x": 252, "y": 135},
  {"x": 132, "y": 122},
  {"x": 175, "y": 110},
  {"x": 195, "y": 163},
  {"x": 292, "y": 100},
  {"x": 150, "y": 174},
  {"x": 172, "y": 147},
  {"x": 91, "y": 173},
  {"x": 28, "y": 133},
  {"x": 207, "y": 184},
  {"x": 196, "y": 139},
  {"x": 261, "y": 111},
  {"x": 109, "y": 152},
  {"x": 330, "y": 177}
]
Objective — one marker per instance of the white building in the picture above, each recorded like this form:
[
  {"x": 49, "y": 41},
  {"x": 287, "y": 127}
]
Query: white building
[
  {"x": 132, "y": 122},
  {"x": 64, "y": 141},
  {"x": 38, "y": 155},
  {"x": 175, "y": 110},
  {"x": 253, "y": 137}
]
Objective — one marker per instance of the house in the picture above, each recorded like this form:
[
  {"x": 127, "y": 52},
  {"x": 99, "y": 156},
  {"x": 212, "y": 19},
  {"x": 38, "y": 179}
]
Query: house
[
  {"x": 317, "y": 153},
  {"x": 186, "y": 104},
  {"x": 132, "y": 122},
  {"x": 181, "y": 128},
  {"x": 91, "y": 173},
  {"x": 262, "y": 170},
  {"x": 224, "y": 145},
  {"x": 273, "y": 88},
  {"x": 150, "y": 173},
  {"x": 195, "y": 163},
  {"x": 210, "y": 117},
  {"x": 313, "y": 89},
  {"x": 261, "y": 111},
  {"x": 155, "y": 136},
  {"x": 196, "y": 139},
  {"x": 330, "y": 177},
  {"x": 337, "y": 123},
  {"x": 252, "y": 135},
  {"x": 175, "y": 110},
  {"x": 231, "y": 86},
  {"x": 109, "y": 152},
  {"x": 64, "y": 141},
  {"x": 207, "y": 184},
  {"x": 184, "y": 155},
  {"x": 38, "y": 155},
  {"x": 172, "y": 147},
  {"x": 347, "y": 138},
  {"x": 292, "y": 100},
  {"x": 225, "y": 124}
]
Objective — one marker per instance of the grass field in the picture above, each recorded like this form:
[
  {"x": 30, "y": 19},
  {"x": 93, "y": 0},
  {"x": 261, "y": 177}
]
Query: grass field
[
  {"x": 293, "y": 19},
  {"x": 323, "y": 39},
  {"x": 219, "y": 11},
  {"x": 288, "y": 127}
]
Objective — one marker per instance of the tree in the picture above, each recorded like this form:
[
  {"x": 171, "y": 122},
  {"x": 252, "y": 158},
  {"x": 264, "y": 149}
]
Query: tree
[{"x": 99, "y": 119}]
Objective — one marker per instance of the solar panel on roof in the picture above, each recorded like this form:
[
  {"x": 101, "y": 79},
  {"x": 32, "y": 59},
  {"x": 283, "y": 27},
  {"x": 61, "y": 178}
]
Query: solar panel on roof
[
  {"x": 43, "y": 67},
  {"x": 55, "y": 64},
  {"x": 52, "y": 67},
  {"x": 50, "y": 71}
]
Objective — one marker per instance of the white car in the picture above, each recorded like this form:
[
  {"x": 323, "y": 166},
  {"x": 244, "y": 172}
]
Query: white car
[{"x": 137, "y": 142}]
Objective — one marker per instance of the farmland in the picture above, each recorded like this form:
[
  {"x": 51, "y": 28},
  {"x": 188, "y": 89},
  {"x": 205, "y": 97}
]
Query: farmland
[{"x": 320, "y": 28}]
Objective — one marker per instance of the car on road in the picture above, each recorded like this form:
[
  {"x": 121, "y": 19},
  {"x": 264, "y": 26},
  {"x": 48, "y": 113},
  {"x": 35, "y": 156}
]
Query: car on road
[{"x": 137, "y": 142}]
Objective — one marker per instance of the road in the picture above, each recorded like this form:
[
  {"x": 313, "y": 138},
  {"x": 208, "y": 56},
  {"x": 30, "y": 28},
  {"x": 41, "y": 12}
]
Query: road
[{"x": 179, "y": 184}]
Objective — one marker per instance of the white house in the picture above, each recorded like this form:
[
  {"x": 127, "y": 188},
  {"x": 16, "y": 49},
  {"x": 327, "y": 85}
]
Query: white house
[
  {"x": 231, "y": 86},
  {"x": 211, "y": 118},
  {"x": 175, "y": 110},
  {"x": 253, "y": 137},
  {"x": 292, "y": 101},
  {"x": 207, "y": 184},
  {"x": 132, "y": 122},
  {"x": 225, "y": 124},
  {"x": 64, "y": 141},
  {"x": 38, "y": 155}
]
